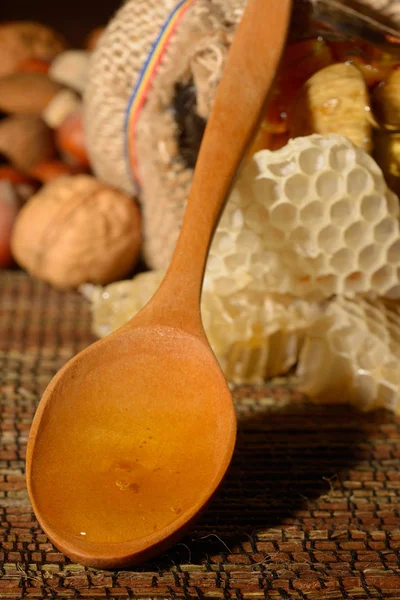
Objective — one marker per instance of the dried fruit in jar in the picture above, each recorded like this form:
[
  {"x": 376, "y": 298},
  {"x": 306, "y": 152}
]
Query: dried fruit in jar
[
  {"x": 77, "y": 229},
  {"x": 373, "y": 63},
  {"x": 386, "y": 100},
  {"x": 387, "y": 154},
  {"x": 334, "y": 100},
  {"x": 299, "y": 62}
]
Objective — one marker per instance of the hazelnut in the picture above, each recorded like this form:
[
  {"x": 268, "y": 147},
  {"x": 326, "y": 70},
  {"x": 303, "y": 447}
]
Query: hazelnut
[
  {"x": 334, "y": 100},
  {"x": 26, "y": 141}
]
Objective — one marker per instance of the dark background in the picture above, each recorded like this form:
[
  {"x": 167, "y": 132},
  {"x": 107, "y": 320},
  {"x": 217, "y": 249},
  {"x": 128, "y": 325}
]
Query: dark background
[{"x": 73, "y": 18}]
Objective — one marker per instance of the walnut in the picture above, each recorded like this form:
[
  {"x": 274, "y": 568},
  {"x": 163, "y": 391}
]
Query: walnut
[{"x": 77, "y": 229}]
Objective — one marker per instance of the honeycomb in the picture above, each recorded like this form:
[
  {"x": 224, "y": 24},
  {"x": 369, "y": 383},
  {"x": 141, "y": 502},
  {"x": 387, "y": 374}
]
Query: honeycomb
[
  {"x": 352, "y": 354},
  {"x": 112, "y": 306},
  {"x": 313, "y": 219},
  {"x": 303, "y": 224},
  {"x": 254, "y": 335}
]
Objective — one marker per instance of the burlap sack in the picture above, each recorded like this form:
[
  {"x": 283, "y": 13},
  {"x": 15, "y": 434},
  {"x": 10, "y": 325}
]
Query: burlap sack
[{"x": 164, "y": 142}]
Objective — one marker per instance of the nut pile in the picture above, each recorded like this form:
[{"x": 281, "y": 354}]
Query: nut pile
[{"x": 56, "y": 220}]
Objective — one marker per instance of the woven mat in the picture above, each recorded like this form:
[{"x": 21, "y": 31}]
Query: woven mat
[{"x": 309, "y": 509}]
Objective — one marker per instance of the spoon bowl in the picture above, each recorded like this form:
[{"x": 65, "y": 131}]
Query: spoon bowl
[
  {"x": 134, "y": 435},
  {"x": 141, "y": 465}
]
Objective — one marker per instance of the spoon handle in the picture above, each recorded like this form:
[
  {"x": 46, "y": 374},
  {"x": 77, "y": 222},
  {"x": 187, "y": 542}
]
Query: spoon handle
[{"x": 241, "y": 96}]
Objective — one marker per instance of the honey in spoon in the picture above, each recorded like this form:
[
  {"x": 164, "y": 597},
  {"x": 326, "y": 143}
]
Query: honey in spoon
[{"x": 133, "y": 435}]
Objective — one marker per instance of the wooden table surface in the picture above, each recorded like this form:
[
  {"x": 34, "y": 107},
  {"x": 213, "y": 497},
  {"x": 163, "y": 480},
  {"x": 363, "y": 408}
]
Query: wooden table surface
[{"x": 309, "y": 509}]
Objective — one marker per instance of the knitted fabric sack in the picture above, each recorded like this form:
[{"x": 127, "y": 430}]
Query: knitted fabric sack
[{"x": 152, "y": 81}]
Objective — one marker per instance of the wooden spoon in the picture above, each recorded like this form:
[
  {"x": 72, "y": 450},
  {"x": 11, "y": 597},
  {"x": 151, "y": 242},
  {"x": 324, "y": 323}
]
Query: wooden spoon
[{"x": 133, "y": 435}]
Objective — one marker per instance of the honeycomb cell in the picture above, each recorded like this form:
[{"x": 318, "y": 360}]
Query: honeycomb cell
[
  {"x": 327, "y": 285},
  {"x": 357, "y": 235},
  {"x": 343, "y": 261},
  {"x": 265, "y": 190},
  {"x": 224, "y": 243},
  {"x": 330, "y": 239},
  {"x": 274, "y": 238},
  {"x": 215, "y": 263},
  {"x": 370, "y": 257},
  {"x": 236, "y": 261},
  {"x": 248, "y": 241},
  {"x": 328, "y": 185},
  {"x": 359, "y": 181},
  {"x": 373, "y": 207},
  {"x": 393, "y": 253},
  {"x": 303, "y": 240},
  {"x": 339, "y": 340},
  {"x": 313, "y": 215},
  {"x": 283, "y": 216},
  {"x": 311, "y": 265},
  {"x": 342, "y": 212},
  {"x": 393, "y": 293},
  {"x": 392, "y": 203},
  {"x": 224, "y": 286},
  {"x": 382, "y": 279},
  {"x": 296, "y": 189},
  {"x": 385, "y": 230},
  {"x": 355, "y": 282},
  {"x": 342, "y": 157},
  {"x": 236, "y": 220},
  {"x": 256, "y": 218},
  {"x": 344, "y": 336},
  {"x": 367, "y": 387},
  {"x": 284, "y": 168},
  {"x": 311, "y": 161}
]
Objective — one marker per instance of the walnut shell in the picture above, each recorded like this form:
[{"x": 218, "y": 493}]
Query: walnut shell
[
  {"x": 77, "y": 229},
  {"x": 22, "y": 40}
]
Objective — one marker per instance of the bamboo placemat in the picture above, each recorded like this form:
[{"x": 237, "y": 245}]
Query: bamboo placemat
[{"x": 308, "y": 511}]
